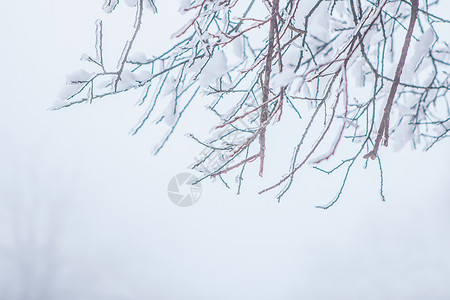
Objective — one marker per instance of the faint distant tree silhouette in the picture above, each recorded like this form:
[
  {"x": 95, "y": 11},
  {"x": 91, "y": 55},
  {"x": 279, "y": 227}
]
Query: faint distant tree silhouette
[
  {"x": 33, "y": 260},
  {"x": 33, "y": 263},
  {"x": 336, "y": 64}
]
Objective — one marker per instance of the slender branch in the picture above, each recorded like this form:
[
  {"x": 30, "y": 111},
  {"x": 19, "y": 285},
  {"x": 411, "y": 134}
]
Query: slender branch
[
  {"x": 265, "y": 88},
  {"x": 129, "y": 44},
  {"x": 383, "y": 131}
]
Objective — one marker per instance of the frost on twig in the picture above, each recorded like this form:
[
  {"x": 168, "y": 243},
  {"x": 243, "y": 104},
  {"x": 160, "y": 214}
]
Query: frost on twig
[{"x": 331, "y": 69}]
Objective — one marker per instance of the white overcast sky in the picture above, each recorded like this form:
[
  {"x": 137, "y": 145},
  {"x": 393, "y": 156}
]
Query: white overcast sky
[{"x": 84, "y": 211}]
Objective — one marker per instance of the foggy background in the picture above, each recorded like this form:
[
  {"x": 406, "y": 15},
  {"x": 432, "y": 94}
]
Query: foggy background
[{"x": 84, "y": 211}]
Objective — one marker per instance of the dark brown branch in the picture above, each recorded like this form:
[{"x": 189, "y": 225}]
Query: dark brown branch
[
  {"x": 383, "y": 131},
  {"x": 265, "y": 87}
]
